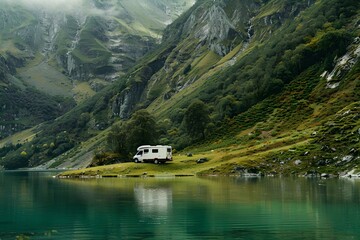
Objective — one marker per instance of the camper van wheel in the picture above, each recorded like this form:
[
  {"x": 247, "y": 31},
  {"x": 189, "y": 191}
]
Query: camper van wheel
[
  {"x": 136, "y": 160},
  {"x": 156, "y": 161}
]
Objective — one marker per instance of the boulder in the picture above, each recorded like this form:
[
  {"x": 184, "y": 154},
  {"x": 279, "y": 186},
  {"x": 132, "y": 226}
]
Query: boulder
[
  {"x": 202, "y": 160},
  {"x": 325, "y": 175}
]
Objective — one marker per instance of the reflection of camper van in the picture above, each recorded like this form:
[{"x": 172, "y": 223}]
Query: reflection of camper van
[
  {"x": 156, "y": 154},
  {"x": 153, "y": 200}
]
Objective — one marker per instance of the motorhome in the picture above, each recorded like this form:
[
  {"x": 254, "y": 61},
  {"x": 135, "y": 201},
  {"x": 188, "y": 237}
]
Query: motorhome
[{"x": 156, "y": 154}]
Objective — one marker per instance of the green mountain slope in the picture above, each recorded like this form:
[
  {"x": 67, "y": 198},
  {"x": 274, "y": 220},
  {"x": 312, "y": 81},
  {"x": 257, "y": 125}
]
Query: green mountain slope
[
  {"x": 277, "y": 77},
  {"x": 52, "y": 53}
]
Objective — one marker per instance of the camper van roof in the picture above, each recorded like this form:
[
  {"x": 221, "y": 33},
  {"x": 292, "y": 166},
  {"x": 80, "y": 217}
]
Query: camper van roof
[{"x": 149, "y": 146}]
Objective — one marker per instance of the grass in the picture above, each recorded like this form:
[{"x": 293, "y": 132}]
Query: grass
[
  {"x": 46, "y": 78},
  {"x": 270, "y": 9},
  {"x": 82, "y": 91},
  {"x": 20, "y": 137},
  {"x": 275, "y": 142},
  {"x": 220, "y": 159}
]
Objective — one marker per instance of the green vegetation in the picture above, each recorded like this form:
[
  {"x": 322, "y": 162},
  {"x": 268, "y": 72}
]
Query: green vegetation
[
  {"x": 196, "y": 119},
  {"x": 25, "y": 108},
  {"x": 141, "y": 129},
  {"x": 264, "y": 107}
]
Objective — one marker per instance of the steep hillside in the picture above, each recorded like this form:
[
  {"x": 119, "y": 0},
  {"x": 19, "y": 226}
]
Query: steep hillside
[
  {"x": 275, "y": 75},
  {"x": 88, "y": 39},
  {"x": 22, "y": 106},
  {"x": 50, "y": 53}
]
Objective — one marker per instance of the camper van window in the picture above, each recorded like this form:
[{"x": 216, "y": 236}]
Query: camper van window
[
  {"x": 146, "y": 151},
  {"x": 169, "y": 150},
  {"x": 139, "y": 153},
  {"x": 155, "y": 150}
]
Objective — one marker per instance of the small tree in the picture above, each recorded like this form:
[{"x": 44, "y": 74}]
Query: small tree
[{"x": 196, "y": 118}]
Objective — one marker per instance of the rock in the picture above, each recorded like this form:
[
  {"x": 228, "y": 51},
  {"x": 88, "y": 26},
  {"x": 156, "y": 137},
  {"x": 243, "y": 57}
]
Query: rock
[
  {"x": 189, "y": 154},
  {"x": 328, "y": 161},
  {"x": 252, "y": 172},
  {"x": 312, "y": 173},
  {"x": 352, "y": 174},
  {"x": 215, "y": 28},
  {"x": 348, "y": 158},
  {"x": 297, "y": 162},
  {"x": 325, "y": 175},
  {"x": 202, "y": 160},
  {"x": 353, "y": 151},
  {"x": 305, "y": 154}
]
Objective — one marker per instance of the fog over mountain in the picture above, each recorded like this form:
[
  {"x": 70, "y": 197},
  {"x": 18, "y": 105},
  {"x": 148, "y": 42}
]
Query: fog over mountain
[{"x": 63, "y": 5}]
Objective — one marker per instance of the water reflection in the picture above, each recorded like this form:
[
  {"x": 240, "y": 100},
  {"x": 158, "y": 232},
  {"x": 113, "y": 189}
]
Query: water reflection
[
  {"x": 188, "y": 208},
  {"x": 153, "y": 201}
]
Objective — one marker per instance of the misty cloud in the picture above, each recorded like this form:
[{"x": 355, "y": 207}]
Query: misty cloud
[{"x": 54, "y": 5}]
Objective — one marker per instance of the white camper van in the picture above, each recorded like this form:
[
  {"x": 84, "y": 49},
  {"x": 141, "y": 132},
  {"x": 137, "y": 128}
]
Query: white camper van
[{"x": 156, "y": 154}]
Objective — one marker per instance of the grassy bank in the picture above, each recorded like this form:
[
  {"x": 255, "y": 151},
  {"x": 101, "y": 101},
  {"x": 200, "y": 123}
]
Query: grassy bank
[{"x": 229, "y": 160}]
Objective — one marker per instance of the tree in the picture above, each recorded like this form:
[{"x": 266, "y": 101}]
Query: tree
[
  {"x": 196, "y": 118},
  {"x": 116, "y": 139},
  {"x": 228, "y": 106},
  {"x": 141, "y": 129}
]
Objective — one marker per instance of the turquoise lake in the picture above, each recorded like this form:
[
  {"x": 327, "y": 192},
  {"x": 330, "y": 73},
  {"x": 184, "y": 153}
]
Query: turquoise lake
[{"x": 34, "y": 205}]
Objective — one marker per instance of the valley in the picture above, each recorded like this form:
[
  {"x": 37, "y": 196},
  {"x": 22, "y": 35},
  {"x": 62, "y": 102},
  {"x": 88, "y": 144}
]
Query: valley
[{"x": 277, "y": 83}]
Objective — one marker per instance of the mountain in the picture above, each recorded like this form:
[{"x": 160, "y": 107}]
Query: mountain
[
  {"x": 62, "y": 51},
  {"x": 279, "y": 78}
]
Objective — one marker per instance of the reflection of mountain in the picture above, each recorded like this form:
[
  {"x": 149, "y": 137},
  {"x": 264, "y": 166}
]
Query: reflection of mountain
[{"x": 153, "y": 200}]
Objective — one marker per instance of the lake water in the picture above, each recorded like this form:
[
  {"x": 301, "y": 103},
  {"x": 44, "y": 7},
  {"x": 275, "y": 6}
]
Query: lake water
[{"x": 37, "y": 206}]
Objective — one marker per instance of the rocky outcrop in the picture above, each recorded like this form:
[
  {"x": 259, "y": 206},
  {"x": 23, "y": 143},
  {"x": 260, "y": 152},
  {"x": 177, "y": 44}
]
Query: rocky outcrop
[
  {"x": 343, "y": 65},
  {"x": 8, "y": 67},
  {"x": 217, "y": 28},
  {"x": 213, "y": 28},
  {"x": 124, "y": 103}
]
